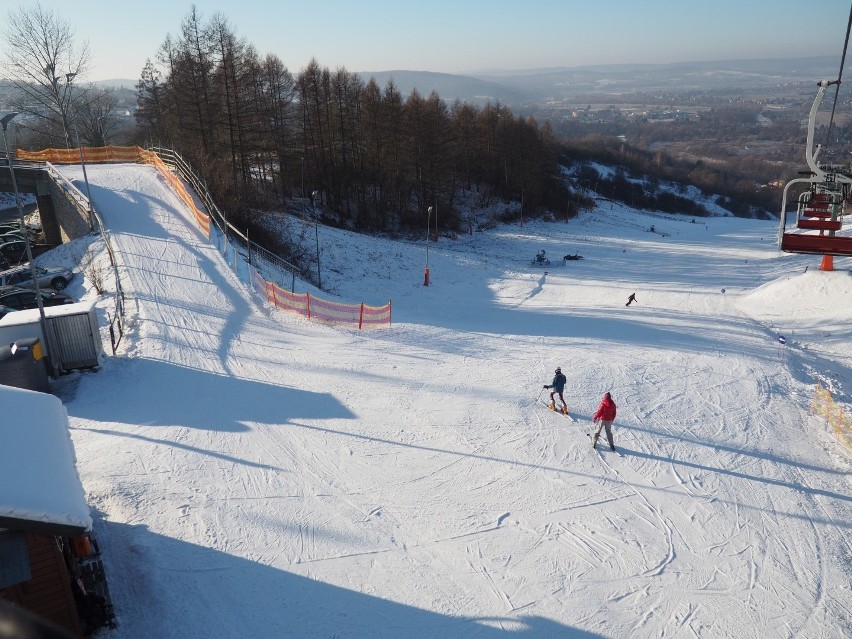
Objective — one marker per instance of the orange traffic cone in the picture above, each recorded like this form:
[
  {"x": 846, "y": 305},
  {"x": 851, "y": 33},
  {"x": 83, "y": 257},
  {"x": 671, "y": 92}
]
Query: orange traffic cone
[{"x": 827, "y": 263}]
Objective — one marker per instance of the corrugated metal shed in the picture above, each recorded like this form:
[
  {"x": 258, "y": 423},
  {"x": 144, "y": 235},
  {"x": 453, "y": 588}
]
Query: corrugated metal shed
[{"x": 74, "y": 329}]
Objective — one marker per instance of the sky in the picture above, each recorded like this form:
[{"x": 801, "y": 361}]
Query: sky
[
  {"x": 463, "y": 37},
  {"x": 252, "y": 474}
]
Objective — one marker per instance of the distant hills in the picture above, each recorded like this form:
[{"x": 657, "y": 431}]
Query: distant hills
[
  {"x": 513, "y": 87},
  {"x": 541, "y": 85},
  {"x": 450, "y": 87}
]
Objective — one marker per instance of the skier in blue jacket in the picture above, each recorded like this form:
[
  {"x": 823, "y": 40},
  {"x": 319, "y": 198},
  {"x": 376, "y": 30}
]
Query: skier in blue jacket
[{"x": 557, "y": 386}]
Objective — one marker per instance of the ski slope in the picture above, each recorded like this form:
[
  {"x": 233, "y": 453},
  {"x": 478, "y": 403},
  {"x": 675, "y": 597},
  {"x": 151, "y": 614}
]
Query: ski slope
[{"x": 253, "y": 474}]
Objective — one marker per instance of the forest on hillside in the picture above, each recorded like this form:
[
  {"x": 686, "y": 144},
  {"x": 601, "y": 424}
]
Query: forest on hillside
[{"x": 260, "y": 135}]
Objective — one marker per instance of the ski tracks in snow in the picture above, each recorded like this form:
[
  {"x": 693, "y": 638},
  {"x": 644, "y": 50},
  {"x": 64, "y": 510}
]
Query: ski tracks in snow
[{"x": 424, "y": 471}]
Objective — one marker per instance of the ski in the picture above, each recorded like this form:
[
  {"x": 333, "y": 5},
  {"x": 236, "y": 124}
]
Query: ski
[
  {"x": 558, "y": 411},
  {"x": 616, "y": 451}
]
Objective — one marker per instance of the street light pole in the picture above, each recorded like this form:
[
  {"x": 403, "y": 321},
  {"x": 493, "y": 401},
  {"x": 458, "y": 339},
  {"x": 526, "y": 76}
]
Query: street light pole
[
  {"x": 48, "y": 347},
  {"x": 428, "y": 226},
  {"x": 68, "y": 78},
  {"x": 316, "y": 233},
  {"x": 50, "y": 70}
]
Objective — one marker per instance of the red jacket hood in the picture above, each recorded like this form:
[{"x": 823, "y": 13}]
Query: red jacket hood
[{"x": 606, "y": 411}]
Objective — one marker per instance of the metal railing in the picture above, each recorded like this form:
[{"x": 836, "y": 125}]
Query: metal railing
[
  {"x": 275, "y": 267},
  {"x": 84, "y": 207}
]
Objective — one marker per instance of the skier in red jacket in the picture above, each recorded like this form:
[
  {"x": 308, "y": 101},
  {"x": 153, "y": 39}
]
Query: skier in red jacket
[{"x": 605, "y": 415}]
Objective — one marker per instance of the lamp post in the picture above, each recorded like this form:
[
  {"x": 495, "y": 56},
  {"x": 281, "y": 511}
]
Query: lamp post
[
  {"x": 50, "y": 69},
  {"x": 4, "y": 121},
  {"x": 68, "y": 78},
  {"x": 428, "y": 226},
  {"x": 316, "y": 233},
  {"x": 100, "y": 132}
]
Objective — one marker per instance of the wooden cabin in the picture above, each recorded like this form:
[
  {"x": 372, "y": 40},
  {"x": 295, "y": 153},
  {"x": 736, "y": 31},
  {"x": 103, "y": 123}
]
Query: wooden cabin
[{"x": 49, "y": 564}]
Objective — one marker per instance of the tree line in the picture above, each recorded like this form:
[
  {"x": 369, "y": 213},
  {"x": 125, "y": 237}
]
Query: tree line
[
  {"x": 43, "y": 66},
  {"x": 374, "y": 158}
]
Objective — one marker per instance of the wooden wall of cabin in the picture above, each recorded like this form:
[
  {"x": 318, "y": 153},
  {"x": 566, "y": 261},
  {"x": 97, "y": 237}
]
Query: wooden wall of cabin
[{"x": 48, "y": 592}]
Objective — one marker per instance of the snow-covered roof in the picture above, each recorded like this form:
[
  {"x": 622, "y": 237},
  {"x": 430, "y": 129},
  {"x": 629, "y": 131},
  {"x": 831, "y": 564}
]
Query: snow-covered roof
[
  {"x": 32, "y": 315},
  {"x": 40, "y": 490}
]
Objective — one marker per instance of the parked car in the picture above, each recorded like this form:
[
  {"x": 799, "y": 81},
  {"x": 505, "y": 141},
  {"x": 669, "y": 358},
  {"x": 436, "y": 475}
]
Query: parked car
[
  {"x": 56, "y": 277},
  {"x": 14, "y": 252},
  {"x": 10, "y": 230},
  {"x": 11, "y": 236},
  {"x": 21, "y": 299},
  {"x": 5, "y": 310},
  {"x": 15, "y": 224}
]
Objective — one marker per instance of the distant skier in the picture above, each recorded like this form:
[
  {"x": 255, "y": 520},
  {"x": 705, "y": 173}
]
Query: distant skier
[
  {"x": 605, "y": 415},
  {"x": 557, "y": 386},
  {"x": 631, "y": 299}
]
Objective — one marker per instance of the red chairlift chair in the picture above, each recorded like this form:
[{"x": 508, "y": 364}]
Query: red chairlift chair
[{"x": 820, "y": 209}]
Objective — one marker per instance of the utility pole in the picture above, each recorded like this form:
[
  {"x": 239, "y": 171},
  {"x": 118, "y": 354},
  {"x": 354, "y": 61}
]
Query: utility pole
[
  {"x": 48, "y": 345},
  {"x": 316, "y": 233}
]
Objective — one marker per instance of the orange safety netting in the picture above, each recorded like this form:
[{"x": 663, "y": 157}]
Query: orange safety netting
[
  {"x": 823, "y": 404},
  {"x": 313, "y": 308},
  {"x": 149, "y": 157},
  {"x": 94, "y": 155},
  {"x": 105, "y": 154},
  {"x": 320, "y": 310}
]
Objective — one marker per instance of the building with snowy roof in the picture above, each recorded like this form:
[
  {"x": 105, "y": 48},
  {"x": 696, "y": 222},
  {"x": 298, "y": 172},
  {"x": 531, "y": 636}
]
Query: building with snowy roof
[{"x": 48, "y": 564}]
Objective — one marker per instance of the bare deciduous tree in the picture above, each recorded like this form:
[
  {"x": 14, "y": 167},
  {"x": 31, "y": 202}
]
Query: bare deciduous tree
[
  {"x": 98, "y": 117},
  {"x": 93, "y": 268},
  {"x": 42, "y": 57}
]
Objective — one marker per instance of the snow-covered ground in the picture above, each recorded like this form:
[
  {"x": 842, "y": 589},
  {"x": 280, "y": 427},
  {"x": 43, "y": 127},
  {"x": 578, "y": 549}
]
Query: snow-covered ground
[{"x": 253, "y": 474}]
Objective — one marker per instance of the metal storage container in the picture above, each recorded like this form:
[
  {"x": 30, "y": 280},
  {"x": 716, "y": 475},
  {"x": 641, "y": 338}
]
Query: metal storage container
[{"x": 74, "y": 332}]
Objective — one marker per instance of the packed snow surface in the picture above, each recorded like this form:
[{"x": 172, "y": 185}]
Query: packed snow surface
[{"x": 253, "y": 474}]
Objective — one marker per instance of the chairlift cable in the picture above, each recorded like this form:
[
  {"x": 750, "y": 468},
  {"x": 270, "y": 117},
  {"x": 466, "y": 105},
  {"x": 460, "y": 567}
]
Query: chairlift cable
[{"x": 839, "y": 75}]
